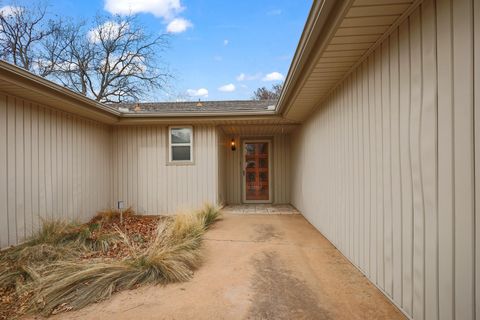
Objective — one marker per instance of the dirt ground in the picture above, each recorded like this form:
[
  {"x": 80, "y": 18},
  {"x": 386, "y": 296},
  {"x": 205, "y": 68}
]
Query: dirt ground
[{"x": 257, "y": 267}]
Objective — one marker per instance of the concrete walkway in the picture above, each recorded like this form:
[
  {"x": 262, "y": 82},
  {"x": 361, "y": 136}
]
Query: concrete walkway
[{"x": 257, "y": 267}]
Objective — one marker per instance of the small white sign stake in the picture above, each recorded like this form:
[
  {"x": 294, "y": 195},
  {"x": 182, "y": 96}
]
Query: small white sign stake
[{"x": 120, "y": 206}]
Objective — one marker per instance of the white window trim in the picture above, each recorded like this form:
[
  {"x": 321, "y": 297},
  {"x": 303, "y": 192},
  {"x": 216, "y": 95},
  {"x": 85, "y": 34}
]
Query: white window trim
[{"x": 170, "y": 145}]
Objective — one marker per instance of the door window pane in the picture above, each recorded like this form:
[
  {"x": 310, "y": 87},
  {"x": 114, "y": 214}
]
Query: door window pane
[
  {"x": 263, "y": 176},
  {"x": 263, "y": 163},
  {"x": 263, "y": 148},
  {"x": 250, "y": 149}
]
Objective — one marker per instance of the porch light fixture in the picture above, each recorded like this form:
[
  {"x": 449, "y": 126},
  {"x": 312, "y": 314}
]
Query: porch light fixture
[{"x": 233, "y": 145}]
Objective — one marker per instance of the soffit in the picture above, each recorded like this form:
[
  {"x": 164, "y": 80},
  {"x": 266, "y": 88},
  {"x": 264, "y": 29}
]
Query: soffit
[
  {"x": 352, "y": 38},
  {"x": 257, "y": 130}
]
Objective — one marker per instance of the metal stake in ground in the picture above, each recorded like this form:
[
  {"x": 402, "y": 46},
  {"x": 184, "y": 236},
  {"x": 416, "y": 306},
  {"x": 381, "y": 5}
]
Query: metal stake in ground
[{"x": 120, "y": 206}]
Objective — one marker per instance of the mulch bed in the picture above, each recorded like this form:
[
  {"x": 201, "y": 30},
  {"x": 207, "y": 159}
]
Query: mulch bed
[
  {"x": 12, "y": 305},
  {"x": 141, "y": 231}
]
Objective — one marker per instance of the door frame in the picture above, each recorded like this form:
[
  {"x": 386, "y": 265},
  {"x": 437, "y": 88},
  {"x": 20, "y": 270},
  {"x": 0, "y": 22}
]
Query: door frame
[{"x": 244, "y": 176}]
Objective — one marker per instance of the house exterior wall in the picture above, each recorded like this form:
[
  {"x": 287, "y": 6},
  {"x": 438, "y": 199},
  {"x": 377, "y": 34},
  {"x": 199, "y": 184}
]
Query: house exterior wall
[
  {"x": 143, "y": 178},
  {"x": 280, "y": 168},
  {"x": 53, "y": 165},
  {"x": 222, "y": 145},
  {"x": 385, "y": 167}
]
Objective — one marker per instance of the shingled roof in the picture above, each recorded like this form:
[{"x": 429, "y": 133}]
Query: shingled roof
[{"x": 234, "y": 106}]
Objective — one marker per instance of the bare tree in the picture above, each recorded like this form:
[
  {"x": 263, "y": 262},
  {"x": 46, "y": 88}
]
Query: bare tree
[
  {"x": 114, "y": 60},
  {"x": 23, "y": 33},
  {"x": 268, "y": 94},
  {"x": 75, "y": 61},
  {"x": 111, "y": 59}
]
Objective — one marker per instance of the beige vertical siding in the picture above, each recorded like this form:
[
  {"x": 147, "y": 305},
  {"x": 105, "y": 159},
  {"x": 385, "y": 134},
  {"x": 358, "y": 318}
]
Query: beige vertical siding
[
  {"x": 280, "y": 169},
  {"x": 221, "y": 155},
  {"x": 52, "y": 165},
  {"x": 476, "y": 89},
  {"x": 385, "y": 168},
  {"x": 143, "y": 178},
  {"x": 233, "y": 177}
]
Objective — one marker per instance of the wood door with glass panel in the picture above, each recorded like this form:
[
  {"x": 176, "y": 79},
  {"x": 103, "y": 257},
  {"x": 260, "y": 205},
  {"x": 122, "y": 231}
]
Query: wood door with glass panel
[{"x": 256, "y": 162}]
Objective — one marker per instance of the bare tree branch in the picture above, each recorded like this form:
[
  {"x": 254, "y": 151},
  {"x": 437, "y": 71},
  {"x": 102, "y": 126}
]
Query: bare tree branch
[
  {"x": 111, "y": 59},
  {"x": 23, "y": 33},
  {"x": 116, "y": 60},
  {"x": 266, "y": 94}
]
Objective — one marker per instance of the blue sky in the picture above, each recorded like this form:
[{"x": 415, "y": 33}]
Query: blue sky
[{"x": 227, "y": 47}]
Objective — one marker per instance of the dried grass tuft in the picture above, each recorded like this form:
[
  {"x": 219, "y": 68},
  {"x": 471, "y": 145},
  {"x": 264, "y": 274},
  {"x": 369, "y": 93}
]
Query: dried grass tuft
[
  {"x": 49, "y": 267},
  {"x": 209, "y": 214},
  {"x": 173, "y": 256},
  {"x": 56, "y": 240}
]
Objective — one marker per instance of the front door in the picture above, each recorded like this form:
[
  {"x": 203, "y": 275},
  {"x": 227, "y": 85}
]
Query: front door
[{"x": 256, "y": 165}]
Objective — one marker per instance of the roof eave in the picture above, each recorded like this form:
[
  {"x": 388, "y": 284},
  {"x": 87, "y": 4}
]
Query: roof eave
[
  {"x": 78, "y": 104},
  {"x": 49, "y": 90},
  {"x": 188, "y": 118},
  {"x": 322, "y": 22}
]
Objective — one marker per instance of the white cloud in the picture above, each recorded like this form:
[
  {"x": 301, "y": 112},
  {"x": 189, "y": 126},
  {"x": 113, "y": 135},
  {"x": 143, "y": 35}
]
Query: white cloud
[
  {"x": 227, "y": 88},
  {"x": 241, "y": 77},
  {"x": 246, "y": 77},
  {"x": 274, "y": 12},
  {"x": 274, "y": 76},
  {"x": 108, "y": 30},
  {"x": 8, "y": 11},
  {"x": 166, "y": 9},
  {"x": 225, "y": 42},
  {"x": 202, "y": 92},
  {"x": 178, "y": 25}
]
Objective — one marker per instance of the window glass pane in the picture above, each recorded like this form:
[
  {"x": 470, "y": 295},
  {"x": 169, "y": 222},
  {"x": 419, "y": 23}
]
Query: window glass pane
[
  {"x": 181, "y": 135},
  {"x": 181, "y": 153}
]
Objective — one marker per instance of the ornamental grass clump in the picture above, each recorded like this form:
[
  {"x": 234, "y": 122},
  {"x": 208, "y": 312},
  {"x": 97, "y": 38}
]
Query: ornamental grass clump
[
  {"x": 173, "y": 256},
  {"x": 20, "y": 266},
  {"x": 209, "y": 214},
  {"x": 56, "y": 240}
]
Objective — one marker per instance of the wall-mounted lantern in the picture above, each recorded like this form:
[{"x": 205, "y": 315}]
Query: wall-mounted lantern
[{"x": 233, "y": 145}]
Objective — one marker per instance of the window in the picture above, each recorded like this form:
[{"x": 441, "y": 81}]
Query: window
[{"x": 181, "y": 144}]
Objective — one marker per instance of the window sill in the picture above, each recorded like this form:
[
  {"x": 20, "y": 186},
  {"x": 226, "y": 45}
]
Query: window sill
[{"x": 180, "y": 163}]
